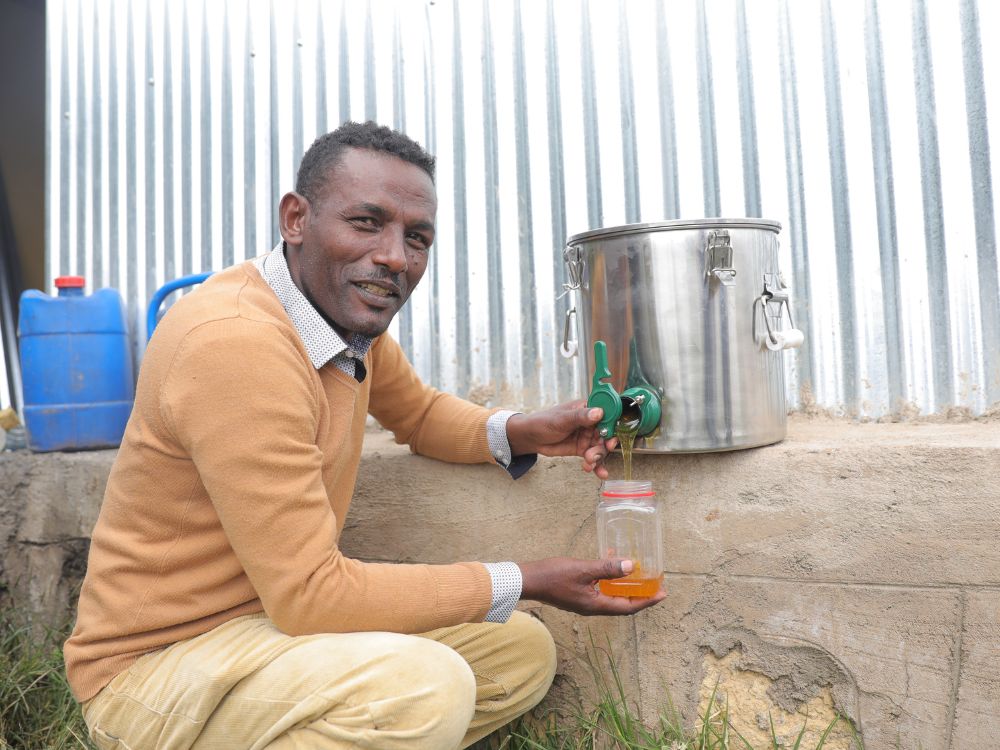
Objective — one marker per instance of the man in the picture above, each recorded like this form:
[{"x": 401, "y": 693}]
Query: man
[{"x": 217, "y": 610}]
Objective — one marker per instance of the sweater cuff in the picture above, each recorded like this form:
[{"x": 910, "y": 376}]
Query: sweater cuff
[{"x": 459, "y": 585}]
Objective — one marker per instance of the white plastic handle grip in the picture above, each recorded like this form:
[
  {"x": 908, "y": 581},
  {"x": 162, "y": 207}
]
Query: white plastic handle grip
[{"x": 790, "y": 339}]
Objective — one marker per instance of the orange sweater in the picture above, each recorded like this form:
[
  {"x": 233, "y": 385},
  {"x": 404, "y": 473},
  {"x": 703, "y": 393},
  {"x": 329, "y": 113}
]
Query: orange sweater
[{"x": 233, "y": 480}]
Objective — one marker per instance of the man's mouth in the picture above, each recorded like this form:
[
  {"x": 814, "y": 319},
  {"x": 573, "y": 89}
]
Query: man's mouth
[{"x": 379, "y": 291}]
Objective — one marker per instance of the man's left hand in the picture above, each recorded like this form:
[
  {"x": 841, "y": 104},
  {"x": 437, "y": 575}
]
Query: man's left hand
[{"x": 564, "y": 430}]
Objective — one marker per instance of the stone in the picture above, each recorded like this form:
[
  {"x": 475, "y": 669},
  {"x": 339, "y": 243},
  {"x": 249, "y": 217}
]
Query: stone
[
  {"x": 48, "y": 506},
  {"x": 746, "y": 694}
]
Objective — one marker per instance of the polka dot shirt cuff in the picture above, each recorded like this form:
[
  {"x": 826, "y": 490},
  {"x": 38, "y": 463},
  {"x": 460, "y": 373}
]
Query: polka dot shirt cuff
[
  {"x": 496, "y": 436},
  {"x": 506, "y": 578}
]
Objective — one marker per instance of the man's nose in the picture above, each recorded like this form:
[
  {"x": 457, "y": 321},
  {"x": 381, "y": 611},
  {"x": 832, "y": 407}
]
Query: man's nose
[{"x": 391, "y": 252}]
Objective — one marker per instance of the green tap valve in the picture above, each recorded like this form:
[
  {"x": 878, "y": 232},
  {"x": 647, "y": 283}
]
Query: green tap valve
[
  {"x": 642, "y": 393},
  {"x": 649, "y": 407},
  {"x": 603, "y": 394}
]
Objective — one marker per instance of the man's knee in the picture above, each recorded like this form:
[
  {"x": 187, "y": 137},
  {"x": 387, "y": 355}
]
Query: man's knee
[
  {"x": 411, "y": 693},
  {"x": 442, "y": 692},
  {"x": 402, "y": 692},
  {"x": 533, "y": 656}
]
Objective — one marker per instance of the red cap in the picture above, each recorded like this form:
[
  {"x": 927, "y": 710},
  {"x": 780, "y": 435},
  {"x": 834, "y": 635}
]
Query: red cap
[{"x": 70, "y": 282}]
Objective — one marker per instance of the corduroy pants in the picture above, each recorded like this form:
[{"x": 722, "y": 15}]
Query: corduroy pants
[{"x": 247, "y": 685}]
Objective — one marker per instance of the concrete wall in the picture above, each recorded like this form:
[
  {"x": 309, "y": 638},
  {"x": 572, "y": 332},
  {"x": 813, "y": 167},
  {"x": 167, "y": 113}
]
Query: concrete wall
[{"x": 852, "y": 568}]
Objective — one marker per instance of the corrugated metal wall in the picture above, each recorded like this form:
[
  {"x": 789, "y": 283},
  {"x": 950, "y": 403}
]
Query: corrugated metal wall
[{"x": 861, "y": 125}]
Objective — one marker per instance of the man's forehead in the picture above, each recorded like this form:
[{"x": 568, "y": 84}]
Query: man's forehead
[
  {"x": 364, "y": 167},
  {"x": 359, "y": 161}
]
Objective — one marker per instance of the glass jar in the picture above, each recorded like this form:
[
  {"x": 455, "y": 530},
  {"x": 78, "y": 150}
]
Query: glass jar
[{"x": 628, "y": 526}]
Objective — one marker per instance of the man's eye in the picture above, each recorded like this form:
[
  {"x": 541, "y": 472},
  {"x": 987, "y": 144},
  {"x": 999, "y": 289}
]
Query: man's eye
[
  {"x": 418, "y": 240},
  {"x": 365, "y": 221}
]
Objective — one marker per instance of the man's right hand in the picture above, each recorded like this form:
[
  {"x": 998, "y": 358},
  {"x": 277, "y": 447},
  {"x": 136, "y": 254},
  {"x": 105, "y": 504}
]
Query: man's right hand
[{"x": 571, "y": 584}]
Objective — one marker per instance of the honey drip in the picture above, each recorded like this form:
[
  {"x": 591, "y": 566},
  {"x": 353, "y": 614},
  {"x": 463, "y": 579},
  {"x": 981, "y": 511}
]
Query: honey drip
[{"x": 627, "y": 429}]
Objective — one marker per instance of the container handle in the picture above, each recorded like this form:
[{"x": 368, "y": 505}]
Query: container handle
[
  {"x": 163, "y": 292},
  {"x": 568, "y": 348},
  {"x": 719, "y": 258},
  {"x": 775, "y": 290},
  {"x": 573, "y": 258}
]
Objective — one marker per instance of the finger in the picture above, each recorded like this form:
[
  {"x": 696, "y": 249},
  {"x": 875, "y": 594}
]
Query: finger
[
  {"x": 631, "y": 605},
  {"x": 644, "y": 603},
  {"x": 628, "y": 604},
  {"x": 572, "y": 426},
  {"x": 596, "y": 468},
  {"x": 639, "y": 604},
  {"x": 582, "y": 416},
  {"x": 595, "y": 454},
  {"x": 591, "y": 441},
  {"x": 559, "y": 414},
  {"x": 620, "y": 605},
  {"x": 587, "y": 416}
]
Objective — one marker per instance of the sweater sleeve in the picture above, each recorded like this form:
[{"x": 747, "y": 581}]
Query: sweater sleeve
[
  {"x": 432, "y": 423},
  {"x": 243, "y": 403}
]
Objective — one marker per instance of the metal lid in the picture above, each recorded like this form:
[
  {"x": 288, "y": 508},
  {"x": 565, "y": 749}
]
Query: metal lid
[{"x": 665, "y": 226}]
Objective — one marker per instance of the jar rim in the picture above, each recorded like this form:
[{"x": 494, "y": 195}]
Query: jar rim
[{"x": 627, "y": 488}]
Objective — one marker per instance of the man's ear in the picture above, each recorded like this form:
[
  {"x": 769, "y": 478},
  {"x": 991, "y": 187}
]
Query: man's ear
[{"x": 293, "y": 211}]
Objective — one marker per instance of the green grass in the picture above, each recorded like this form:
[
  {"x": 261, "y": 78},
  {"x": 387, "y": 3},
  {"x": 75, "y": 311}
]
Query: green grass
[
  {"x": 37, "y": 711},
  {"x": 613, "y": 724},
  {"x": 612, "y": 728}
]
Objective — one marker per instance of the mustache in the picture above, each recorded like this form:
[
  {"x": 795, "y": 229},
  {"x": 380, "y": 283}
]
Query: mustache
[{"x": 384, "y": 275}]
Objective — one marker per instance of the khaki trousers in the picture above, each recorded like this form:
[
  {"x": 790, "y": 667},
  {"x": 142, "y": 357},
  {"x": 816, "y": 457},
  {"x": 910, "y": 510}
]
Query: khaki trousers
[{"x": 246, "y": 685}]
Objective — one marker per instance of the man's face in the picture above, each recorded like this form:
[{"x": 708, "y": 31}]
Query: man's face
[{"x": 358, "y": 250}]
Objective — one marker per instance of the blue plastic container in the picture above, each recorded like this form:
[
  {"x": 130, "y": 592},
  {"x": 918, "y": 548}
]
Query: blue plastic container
[{"x": 76, "y": 367}]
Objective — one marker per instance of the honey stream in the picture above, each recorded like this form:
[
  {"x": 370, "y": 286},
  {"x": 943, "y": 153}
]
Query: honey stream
[{"x": 627, "y": 429}]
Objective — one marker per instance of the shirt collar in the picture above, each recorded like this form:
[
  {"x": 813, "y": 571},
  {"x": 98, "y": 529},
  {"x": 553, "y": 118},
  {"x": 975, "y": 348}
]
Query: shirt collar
[{"x": 321, "y": 341}]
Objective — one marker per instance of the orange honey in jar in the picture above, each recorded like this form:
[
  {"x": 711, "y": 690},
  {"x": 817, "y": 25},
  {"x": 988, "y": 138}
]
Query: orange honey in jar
[{"x": 628, "y": 526}]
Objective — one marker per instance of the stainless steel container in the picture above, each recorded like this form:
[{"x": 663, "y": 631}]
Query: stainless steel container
[{"x": 698, "y": 310}]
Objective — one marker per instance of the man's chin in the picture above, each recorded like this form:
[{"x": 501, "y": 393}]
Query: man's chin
[
  {"x": 365, "y": 321},
  {"x": 372, "y": 328}
]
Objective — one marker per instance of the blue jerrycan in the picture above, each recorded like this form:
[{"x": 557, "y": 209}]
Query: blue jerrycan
[{"x": 76, "y": 367}]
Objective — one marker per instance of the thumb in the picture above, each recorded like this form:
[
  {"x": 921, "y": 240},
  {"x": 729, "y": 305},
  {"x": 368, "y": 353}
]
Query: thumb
[
  {"x": 569, "y": 420},
  {"x": 586, "y": 416},
  {"x": 616, "y": 568}
]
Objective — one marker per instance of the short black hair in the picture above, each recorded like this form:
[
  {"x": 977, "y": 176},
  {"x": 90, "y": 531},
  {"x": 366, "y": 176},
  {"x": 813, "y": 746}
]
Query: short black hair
[{"x": 325, "y": 153}]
